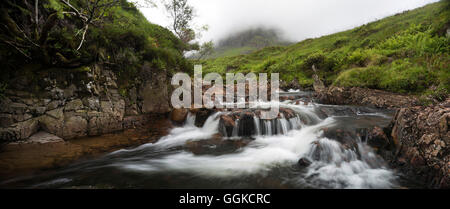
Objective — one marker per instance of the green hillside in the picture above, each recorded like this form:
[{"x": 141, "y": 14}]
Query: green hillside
[
  {"x": 407, "y": 53},
  {"x": 120, "y": 38}
]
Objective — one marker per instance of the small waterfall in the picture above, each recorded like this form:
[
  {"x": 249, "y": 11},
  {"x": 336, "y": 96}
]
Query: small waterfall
[
  {"x": 211, "y": 124},
  {"x": 236, "y": 129},
  {"x": 189, "y": 132},
  {"x": 257, "y": 126},
  {"x": 268, "y": 127},
  {"x": 295, "y": 122},
  {"x": 336, "y": 158},
  {"x": 190, "y": 119},
  {"x": 337, "y": 167},
  {"x": 263, "y": 127},
  {"x": 283, "y": 125}
]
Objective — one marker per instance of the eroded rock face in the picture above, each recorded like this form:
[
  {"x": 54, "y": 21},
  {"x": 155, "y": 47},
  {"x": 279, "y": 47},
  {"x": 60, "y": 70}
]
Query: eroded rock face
[
  {"x": 78, "y": 104},
  {"x": 377, "y": 138},
  {"x": 17, "y": 131},
  {"x": 365, "y": 97},
  {"x": 154, "y": 91},
  {"x": 422, "y": 138}
]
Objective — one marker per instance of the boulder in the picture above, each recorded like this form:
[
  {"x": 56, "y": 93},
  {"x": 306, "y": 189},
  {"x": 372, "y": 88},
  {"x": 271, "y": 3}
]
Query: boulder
[
  {"x": 226, "y": 125},
  {"x": 74, "y": 105},
  {"x": 304, "y": 162},
  {"x": 288, "y": 113},
  {"x": 202, "y": 115},
  {"x": 74, "y": 126},
  {"x": 42, "y": 137},
  {"x": 54, "y": 104},
  {"x": 19, "y": 131},
  {"x": 178, "y": 115},
  {"x": 377, "y": 138},
  {"x": 52, "y": 122}
]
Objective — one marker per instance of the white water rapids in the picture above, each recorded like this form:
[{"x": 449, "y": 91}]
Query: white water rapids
[
  {"x": 204, "y": 157},
  {"x": 336, "y": 167}
]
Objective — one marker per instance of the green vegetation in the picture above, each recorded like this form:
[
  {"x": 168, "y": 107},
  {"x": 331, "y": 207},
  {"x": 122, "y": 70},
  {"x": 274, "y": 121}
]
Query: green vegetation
[
  {"x": 118, "y": 37},
  {"x": 405, "y": 53}
]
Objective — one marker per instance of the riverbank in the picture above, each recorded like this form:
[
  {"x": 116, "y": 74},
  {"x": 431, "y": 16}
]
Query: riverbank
[
  {"x": 309, "y": 145},
  {"x": 418, "y": 138},
  {"x": 26, "y": 158}
]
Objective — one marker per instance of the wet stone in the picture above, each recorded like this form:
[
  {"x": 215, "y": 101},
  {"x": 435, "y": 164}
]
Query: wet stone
[{"x": 304, "y": 162}]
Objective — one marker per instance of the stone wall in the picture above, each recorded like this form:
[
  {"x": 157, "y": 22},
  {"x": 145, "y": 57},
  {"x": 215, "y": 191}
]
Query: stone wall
[{"x": 81, "y": 103}]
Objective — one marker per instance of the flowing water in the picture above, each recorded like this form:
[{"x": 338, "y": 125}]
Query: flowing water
[{"x": 197, "y": 157}]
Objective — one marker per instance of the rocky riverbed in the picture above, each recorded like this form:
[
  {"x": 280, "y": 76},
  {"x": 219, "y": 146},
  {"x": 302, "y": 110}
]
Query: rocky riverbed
[
  {"x": 310, "y": 145},
  {"x": 417, "y": 140},
  {"x": 400, "y": 145}
]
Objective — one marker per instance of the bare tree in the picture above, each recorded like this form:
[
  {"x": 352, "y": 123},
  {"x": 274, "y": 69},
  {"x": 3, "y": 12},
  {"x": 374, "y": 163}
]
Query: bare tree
[
  {"x": 181, "y": 14},
  {"x": 94, "y": 11}
]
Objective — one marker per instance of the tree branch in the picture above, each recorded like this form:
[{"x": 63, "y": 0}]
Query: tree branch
[
  {"x": 82, "y": 38},
  {"x": 78, "y": 13},
  {"x": 36, "y": 11}
]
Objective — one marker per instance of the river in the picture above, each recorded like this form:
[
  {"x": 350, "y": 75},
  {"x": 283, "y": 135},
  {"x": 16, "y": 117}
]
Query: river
[{"x": 325, "y": 137}]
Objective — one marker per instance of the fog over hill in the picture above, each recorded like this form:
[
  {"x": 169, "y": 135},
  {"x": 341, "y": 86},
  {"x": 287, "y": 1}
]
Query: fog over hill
[
  {"x": 257, "y": 37},
  {"x": 247, "y": 41},
  {"x": 298, "y": 20}
]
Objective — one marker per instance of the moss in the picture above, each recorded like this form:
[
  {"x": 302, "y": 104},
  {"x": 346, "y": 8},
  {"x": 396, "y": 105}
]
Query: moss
[
  {"x": 80, "y": 69},
  {"x": 123, "y": 92}
]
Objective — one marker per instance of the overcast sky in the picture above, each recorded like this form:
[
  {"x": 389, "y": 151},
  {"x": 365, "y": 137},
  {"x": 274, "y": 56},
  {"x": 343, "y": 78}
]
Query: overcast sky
[{"x": 297, "y": 19}]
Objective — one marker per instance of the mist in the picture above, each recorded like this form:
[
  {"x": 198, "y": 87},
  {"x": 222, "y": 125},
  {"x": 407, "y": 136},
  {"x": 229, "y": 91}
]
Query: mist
[{"x": 295, "y": 19}]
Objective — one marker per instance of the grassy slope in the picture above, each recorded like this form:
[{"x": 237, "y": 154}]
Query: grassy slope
[
  {"x": 123, "y": 41},
  {"x": 232, "y": 51},
  {"x": 407, "y": 52}
]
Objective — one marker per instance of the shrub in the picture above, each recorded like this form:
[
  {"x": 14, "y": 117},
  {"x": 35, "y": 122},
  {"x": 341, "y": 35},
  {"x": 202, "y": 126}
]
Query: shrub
[
  {"x": 416, "y": 41},
  {"x": 368, "y": 77},
  {"x": 358, "y": 57},
  {"x": 320, "y": 61}
]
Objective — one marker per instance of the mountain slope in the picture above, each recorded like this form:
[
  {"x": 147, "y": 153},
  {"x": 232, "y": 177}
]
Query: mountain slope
[
  {"x": 407, "y": 52},
  {"x": 248, "y": 41}
]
